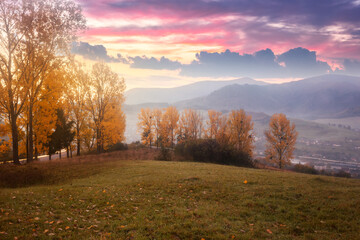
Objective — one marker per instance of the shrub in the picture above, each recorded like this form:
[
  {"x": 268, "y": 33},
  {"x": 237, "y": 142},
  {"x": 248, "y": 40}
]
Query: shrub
[
  {"x": 343, "y": 174},
  {"x": 303, "y": 168},
  {"x": 118, "y": 147},
  {"x": 209, "y": 150},
  {"x": 164, "y": 154}
]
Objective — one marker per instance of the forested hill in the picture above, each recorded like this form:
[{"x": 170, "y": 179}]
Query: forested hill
[
  {"x": 326, "y": 96},
  {"x": 171, "y": 95}
]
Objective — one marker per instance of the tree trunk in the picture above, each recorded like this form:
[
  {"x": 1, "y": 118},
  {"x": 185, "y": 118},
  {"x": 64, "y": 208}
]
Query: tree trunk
[
  {"x": 78, "y": 141},
  {"x": 27, "y": 141},
  {"x": 49, "y": 156},
  {"x": 67, "y": 152},
  {"x": 98, "y": 140},
  {"x": 60, "y": 154},
  {"x": 36, "y": 150},
  {"x": 31, "y": 141},
  {"x": 36, "y": 154},
  {"x": 71, "y": 151},
  {"x": 15, "y": 140}
]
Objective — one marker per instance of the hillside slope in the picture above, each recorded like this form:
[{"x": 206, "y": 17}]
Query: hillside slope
[
  {"x": 171, "y": 95},
  {"x": 326, "y": 96},
  {"x": 184, "y": 200}
]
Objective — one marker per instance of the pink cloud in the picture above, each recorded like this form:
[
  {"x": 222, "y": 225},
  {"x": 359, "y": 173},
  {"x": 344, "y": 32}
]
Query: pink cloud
[{"x": 235, "y": 25}]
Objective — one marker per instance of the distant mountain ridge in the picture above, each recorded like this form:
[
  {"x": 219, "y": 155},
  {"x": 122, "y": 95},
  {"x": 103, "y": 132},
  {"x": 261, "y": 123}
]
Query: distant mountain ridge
[
  {"x": 324, "y": 96},
  {"x": 172, "y": 95}
]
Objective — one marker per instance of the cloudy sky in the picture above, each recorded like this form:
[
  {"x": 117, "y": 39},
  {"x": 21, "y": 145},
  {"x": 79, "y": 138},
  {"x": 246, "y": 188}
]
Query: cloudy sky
[{"x": 165, "y": 43}]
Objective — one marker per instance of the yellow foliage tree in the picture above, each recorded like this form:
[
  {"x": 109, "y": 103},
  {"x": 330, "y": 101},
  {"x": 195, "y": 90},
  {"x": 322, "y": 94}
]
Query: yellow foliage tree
[
  {"x": 169, "y": 126},
  {"x": 222, "y": 135},
  {"x": 240, "y": 131},
  {"x": 76, "y": 87},
  {"x": 145, "y": 126},
  {"x": 4, "y": 143},
  {"x": 34, "y": 39},
  {"x": 157, "y": 113},
  {"x": 104, "y": 99},
  {"x": 281, "y": 138},
  {"x": 51, "y": 25},
  {"x": 213, "y": 124},
  {"x": 217, "y": 127},
  {"x": 113, "y": 126},
  {"x": 190, "y": 125},
  {"x": 13, "y": 89}
]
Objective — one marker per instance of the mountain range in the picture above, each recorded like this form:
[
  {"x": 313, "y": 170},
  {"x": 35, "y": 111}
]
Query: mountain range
[
  {"x": 172, "y": 95},
  {"x": 326, "y": 96}
]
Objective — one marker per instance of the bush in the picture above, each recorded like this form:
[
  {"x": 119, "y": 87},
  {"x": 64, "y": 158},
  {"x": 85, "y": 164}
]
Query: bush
[
  {"x": 209, "y": 150},
  {"x": 343, "y": 174},
  {"x": 164, "y": 155},
  {"x": 118, "y": 147},
  {"x": 305, "y": 169}
]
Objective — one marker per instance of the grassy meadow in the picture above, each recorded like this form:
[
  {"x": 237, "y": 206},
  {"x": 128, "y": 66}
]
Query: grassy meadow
[{"x": 123, "y": 195}]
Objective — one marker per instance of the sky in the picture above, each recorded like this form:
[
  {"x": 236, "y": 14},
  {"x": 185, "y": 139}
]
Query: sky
[{"x": 168, "y": 43}]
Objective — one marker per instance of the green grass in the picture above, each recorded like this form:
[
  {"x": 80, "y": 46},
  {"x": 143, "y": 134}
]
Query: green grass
[{"x": 182, "y": 200}]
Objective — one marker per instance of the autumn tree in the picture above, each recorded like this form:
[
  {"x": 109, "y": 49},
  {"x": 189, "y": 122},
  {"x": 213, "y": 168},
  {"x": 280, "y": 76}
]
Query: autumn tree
[
  {"x": 281, "y": 139},
  {"x": 13, "y": 90},
  {"x": 34, "y": 38},
  {"x": 4, "y": 143},
  {"x": 240, "y": 131},
  {"x": 104, "y": 99},
  {"x": 75, "y": 102},
  {"x": 157, "y": 114},
  {"x": 213, "y": 124},
  {"x": 190, "y": 125},
  {"x": 145, "y": 126},
  {"x": 217, "y": 127},
  {"x": 51, "y": 26},
  {"x": 169, "y": 126},
  {"x": 113, "y": 126}
]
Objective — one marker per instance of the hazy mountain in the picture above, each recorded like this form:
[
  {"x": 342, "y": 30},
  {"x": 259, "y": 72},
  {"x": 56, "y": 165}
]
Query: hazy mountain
[
  {"x": 171, "y": 95},
  {"x": 136, "y": 108},
  {"x": 318, "y": 97}
]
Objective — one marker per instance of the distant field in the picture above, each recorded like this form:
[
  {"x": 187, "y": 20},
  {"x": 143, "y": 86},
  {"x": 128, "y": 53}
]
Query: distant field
[{"x": 137, "y": 199}]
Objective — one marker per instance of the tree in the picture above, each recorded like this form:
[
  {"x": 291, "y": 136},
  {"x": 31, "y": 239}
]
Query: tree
[
  {"x": 63, "y": 134},
  {"x": 190, "y": 125},
  {"x": 13, "y": 90},
  {"x": 281, "y": 139},
  {"x": 169, "y": 126},
  {"x": 217, "y": 127},
  {"x": 157, "y": 113},
  {"x": 50, "y": 27},
  {"x": 34, "y": 38},
  {"x": 75, "y": 103},
  {"x": 213, "y": 124},
  {"x": 104, "y": 98},
  {"x": 145, "y": 126},
  {"x": 240, "y": 134}
]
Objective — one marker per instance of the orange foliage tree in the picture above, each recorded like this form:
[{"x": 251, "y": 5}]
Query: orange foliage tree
[
  {"x": 281, "y": 138},
  {"x": 51, "y": 25},
  {"x": 34, "y": 40},
  {"x": 13, "y": 90},
  {"x": 217, "y": 127},
  {"x": 240, "y": 131},
  {"x": 190, "y": 125},
  {"x": 75, "y": 89},
  {"x": 145, "y": 126},
  {"x": 157, "y": 114},
  {"x": 104, "y": 99},
  {"x": 169, "y": 125}
]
